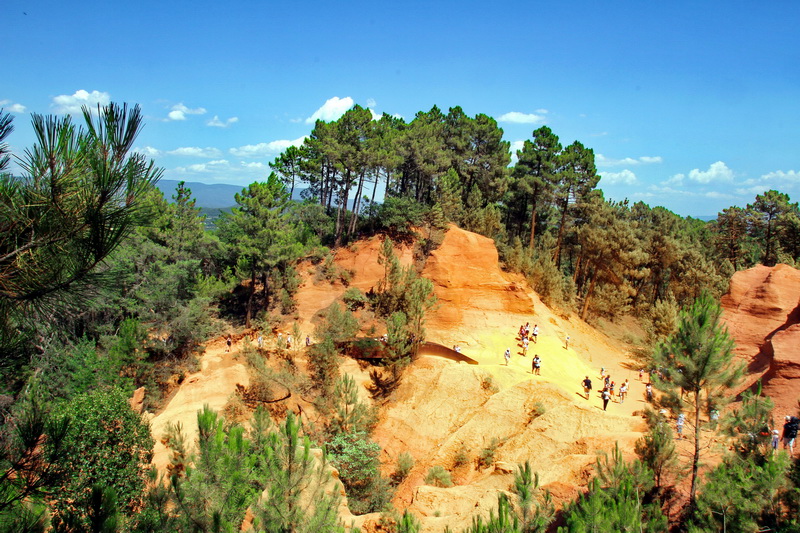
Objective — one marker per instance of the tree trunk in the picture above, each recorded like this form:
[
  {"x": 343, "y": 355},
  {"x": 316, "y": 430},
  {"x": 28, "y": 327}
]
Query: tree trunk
[
  {"x": 534, "y": 208},
  {"x": 356, "y": 205},
  {"x": 589, "y": 295},
  {"x": 250, "y": 297},
  {"x": 341, "y": 211},
  {"x": 696, "y": 458},
  {"x": 265, "y": 281},
  {"x": 561, "y": 233}
]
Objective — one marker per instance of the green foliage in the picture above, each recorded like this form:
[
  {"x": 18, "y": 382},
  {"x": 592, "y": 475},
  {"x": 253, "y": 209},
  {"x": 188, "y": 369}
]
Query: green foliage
[
  {"x": 29, "y": 472},
  {"x": 506, "y": 520},
  {"x": 405, "y": 462},
  {"x": 438, "y": 477},
  {"x": 698, "y": 368},
  {"x": 408, "y": 523},
  {"x": 107, "y": 445},
  {"x": 615, "y": 500},
  {"x": 356, "y": 458},
  {"x": 271, "y": 471},
  {"x": 486, "y": 455},
  {"x": 338, "y": 325},
  {"x": 535, "y": 511},
  {"x": 78, "y": 198},
  {"x": 354, "y": 299},
  {"x": 751, "y": 425},
  {"x": 352, "y": 415},
  {"x": 263, "y": 236},
  {"x": 656, "y": 449},
  {"x": 399, "y": 216},
  {"x": 742, "y": 494},
  {"x": 461, "y": 457}
]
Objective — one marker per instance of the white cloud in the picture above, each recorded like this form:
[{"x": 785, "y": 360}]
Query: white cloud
[
  {"x": 371, "y": 102},
  {"x": 784, "y": 180},
  {"x": 613, "y": 178},
  {"x": 204, "y": 168},
  {"x": 148, "y": 151},
  {"x": 11, "y": 107},
  {"x": 515, "y": 117},
  {"x": 677, "y": 179},
  {"x": 375, "y": 116},
  {"x": 542, "y": 111},
  {"x": 222, "y": 171},
  {"x": 71, "y": 104},
  {"x": 332, "y": 109},
  {"x": 718, "y": 195},
  {"x": 179, "y": 112},
  {"x": 194, "y": 151},
  {"x": 716, "y": 172},
  {"x": 647, "y": 159},
  {"x": 256, "y": 165},
  {"x": 604, "y": 161},
  {"x": 217, "y": 123},
  {"x": 265, "y": 149}
]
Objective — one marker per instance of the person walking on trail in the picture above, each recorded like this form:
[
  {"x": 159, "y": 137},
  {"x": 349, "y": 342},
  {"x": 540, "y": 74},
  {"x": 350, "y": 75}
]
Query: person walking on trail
[
  {"x": 587, "y": 387},
  {"x": 507, "y": 355},
  {"x": 606, "y": 397},
  {"x": 649, "y": 392},
  {"x": 623, "y": 391},
  {"x": 535, "y": 332},
  {"x": 776, "y": 438},
  {"x": 228, "y": 343},
  {"x": 566, "y": 343},
  {"x": 790, "y": 433},
  {"x": 537, "y": 364},
  {"x": 260, "y": 340},
  {"x": 679, "y": 425},
  {"x": 524, "y": 346}
]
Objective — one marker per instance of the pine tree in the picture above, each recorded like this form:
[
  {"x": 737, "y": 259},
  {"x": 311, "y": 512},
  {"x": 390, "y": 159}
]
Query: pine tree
[
  {"x": 263, "y": 234},
  {"x": 78, "y": 198},
  {"x": 698, "y": 368}
]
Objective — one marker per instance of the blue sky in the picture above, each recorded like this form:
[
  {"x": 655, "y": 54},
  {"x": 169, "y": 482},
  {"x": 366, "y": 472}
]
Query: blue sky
[{"x": 691, "y": 105}]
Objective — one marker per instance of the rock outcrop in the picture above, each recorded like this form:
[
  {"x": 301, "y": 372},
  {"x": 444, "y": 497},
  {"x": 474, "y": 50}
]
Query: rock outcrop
[{"x": 762, "y": 312}]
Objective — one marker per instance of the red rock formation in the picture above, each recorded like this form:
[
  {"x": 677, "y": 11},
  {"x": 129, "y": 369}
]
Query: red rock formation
[{"x": 760, "y": 310}]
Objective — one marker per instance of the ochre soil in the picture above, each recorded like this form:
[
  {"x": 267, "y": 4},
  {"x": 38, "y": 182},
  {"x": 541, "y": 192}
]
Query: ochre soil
[{"x": 444, "y": 409}]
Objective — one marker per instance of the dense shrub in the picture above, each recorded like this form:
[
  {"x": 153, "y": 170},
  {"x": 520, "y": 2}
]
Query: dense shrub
[
  {"x": 356, "y": 458},
  {"x": 107, "y": 445}
]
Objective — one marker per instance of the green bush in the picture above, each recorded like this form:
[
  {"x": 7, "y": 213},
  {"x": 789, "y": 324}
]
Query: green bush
[
  {"x": 486, "y": 457},
  {"x": 354, "y": 299},
  {"x": 355, "y": 455},
  {"x": 462, "y": 456},
  {"x": 108, "y": 446},
  {"x": 438, "y": 477},
  {"x": 405, "y": 462}
]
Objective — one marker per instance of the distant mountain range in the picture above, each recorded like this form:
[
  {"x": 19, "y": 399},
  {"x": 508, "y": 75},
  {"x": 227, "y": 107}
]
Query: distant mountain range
[
  {"x": 221, "y": 196},
  {"x": 210, "y": 195},
  {"x": 216, "y": 196}
]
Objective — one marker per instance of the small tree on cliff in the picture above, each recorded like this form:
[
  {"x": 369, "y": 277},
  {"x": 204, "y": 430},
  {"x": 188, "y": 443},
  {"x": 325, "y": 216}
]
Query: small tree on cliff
[{"x": 697, "y": 366}]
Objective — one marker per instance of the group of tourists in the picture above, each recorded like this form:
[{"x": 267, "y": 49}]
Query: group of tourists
[
  {"x": 609, "y": 391},
  {"x": 525, "y": 336}
]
